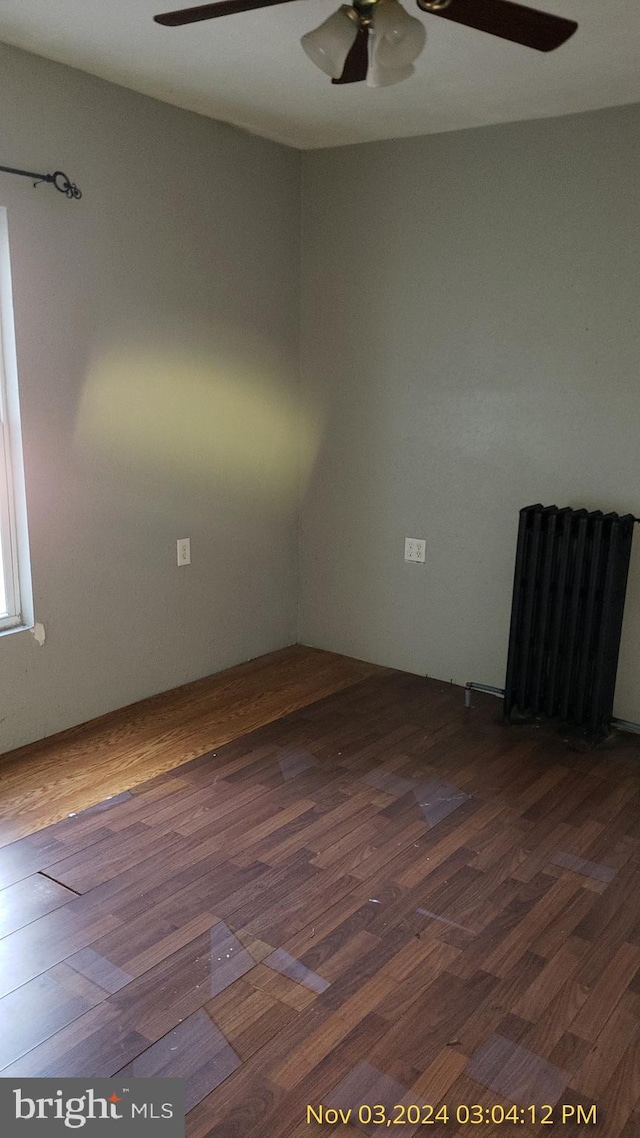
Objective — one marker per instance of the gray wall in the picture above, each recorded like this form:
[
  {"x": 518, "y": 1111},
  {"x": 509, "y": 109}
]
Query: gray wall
[
  {"x": 470, "y": 343},
  {"x": 157, "y": 335}
]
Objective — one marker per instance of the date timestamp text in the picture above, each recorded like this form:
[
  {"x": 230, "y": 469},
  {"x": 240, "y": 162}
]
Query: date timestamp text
[{"x": 472, "y": 1114}]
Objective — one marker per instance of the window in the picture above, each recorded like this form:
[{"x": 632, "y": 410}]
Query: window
[{"x": 15, "y": 578}]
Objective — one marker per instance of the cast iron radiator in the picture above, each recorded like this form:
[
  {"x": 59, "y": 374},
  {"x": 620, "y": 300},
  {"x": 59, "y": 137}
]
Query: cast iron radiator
[{"x": 566, "y": 618}]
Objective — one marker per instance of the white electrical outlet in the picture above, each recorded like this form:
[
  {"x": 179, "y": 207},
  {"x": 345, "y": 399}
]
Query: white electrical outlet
[
  {"x": 184, "y": 551},
  {"x": 414, "y": 549}
]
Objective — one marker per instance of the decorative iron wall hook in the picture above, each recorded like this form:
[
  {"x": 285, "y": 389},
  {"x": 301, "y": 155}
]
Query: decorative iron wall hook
[{"x": 57, "y": 179}]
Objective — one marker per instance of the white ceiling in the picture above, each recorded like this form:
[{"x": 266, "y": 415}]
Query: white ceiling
[{"x": 250, "y": 70}]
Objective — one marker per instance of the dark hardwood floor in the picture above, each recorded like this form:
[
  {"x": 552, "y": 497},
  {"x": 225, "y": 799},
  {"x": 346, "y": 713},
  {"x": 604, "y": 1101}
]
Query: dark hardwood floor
[{"x": 380, "y": 898}]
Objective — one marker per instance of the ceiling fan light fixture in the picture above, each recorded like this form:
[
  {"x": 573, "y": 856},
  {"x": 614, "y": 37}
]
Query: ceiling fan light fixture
[
  {"x": 397, "y": 38},
  {"x": 329, "y": 44},
  {"x": 378, "y": 76}
]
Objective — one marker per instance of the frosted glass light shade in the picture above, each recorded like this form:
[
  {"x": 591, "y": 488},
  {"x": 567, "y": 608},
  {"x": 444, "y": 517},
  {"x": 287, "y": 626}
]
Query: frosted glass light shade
[
  {"x": 329, "y": 45},
  {"x": 378, "y": 76},
  {"x": 398, "y": 38}
]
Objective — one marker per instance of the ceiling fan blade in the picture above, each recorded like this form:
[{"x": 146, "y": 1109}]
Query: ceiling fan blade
[
  {"x": 527, "y": 26},
  {"x": 208, "y": 11},
  {"x": 357, "y": 62}
]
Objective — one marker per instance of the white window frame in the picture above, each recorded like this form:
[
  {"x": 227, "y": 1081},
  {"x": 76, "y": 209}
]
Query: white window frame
[{"x": 13, "y": 510}]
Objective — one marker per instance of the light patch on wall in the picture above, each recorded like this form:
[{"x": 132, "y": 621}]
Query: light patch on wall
[
  {"x": 39, "y": 634},
  {"x": 191, "y": 417}
]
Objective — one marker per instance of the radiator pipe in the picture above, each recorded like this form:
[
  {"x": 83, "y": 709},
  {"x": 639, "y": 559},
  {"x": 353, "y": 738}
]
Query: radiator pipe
[
  {"x": 486, "y": 688},
  {"x": 626, "y": 725},
  {"x": 621, "y": 724}
]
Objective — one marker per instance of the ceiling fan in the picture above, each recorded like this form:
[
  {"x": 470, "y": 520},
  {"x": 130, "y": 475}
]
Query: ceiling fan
[{"x": 378, "y": 41}]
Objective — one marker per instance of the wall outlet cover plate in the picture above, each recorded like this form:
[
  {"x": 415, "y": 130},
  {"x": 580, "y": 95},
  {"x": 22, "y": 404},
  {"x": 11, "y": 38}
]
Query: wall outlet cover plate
[{"x": 415, "y": 549}]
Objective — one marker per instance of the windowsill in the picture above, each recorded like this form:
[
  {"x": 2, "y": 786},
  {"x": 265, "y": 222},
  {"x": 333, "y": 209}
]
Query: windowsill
[{"x": 16, "y": 628}]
